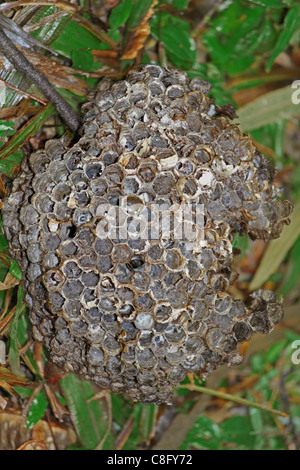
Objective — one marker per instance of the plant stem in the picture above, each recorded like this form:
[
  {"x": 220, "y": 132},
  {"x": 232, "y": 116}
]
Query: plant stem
[{"x": 235, "y": 399}]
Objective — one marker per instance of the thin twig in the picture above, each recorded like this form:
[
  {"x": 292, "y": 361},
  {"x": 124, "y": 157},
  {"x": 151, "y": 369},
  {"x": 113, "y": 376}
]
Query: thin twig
[
  {"x": 233, "y": 398},
  {"x": 22, "y": 92},
  {"x": 22, "y": 64}
]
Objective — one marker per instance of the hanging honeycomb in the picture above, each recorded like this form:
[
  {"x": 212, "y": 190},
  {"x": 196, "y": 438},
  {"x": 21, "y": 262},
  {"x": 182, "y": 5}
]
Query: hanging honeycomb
[{"x": 131, "y": 310}]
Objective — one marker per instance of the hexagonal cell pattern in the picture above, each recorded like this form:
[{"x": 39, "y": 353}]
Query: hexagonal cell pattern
[{"x": 133, "y": 310}]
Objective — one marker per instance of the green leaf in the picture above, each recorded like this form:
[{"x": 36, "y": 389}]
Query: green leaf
[
  {"x": 24, "y": 392},
  {"x": 180, "y": 4},
  {"x": 290, "y": 26},
  {"x": 143, "y": 416},
  {"x": 205, "y": 434},
  {"x": 272, "y": 3},
  {"x": 88, "y": 415},
  {"x": 238, "y": 430},
  {"x": 180, "y": 47},
  {"x": 241, "y": 242},
  {"x": 37, "y": 409},
  {"x": 83, "y": 59},
  {"x": 138, "y": 12},
  {"x": 268, "y": 108},
  {"x": 257, "y": 363},
  {"x": 3, "y": 243},
  {"x": 120, "y": 14},
  {"x": 240, "y": 34},
  {"x": 80, "y": 38},
  {"x": 6, "y": 128},
  {"x": 15, "y": 270},
  {"x": 175, "y": 35},
  {"x": 273, "y": 354},
  {"x": 293, "y": 269},
  {"x": 13, "y": 354},
  {"x": 10, "y": 156}
]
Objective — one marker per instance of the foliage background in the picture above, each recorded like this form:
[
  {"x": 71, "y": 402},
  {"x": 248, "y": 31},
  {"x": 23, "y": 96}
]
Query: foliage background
[{"x": 249, "y": 50}]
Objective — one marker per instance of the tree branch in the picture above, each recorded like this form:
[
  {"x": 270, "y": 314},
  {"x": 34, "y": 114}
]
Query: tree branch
[{"x": 22, "y": 64}]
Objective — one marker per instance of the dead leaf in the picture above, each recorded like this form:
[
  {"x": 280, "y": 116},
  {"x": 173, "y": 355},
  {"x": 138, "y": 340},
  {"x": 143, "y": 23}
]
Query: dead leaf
[
  {"x": 3, "y": 403},
  {"x": 12, "y": 379},
  {"x": 139, "y": 35},
  {"x": 33, "y": 445},
  {"x": 9, "y": 282},
  {"x": 58, "y": 408}
]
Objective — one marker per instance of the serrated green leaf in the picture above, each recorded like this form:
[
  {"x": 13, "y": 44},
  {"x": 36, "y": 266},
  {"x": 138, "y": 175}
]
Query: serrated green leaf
[
  {"x": 120, "y": 14},
  {"x": 268, "y": 108},
  {"x": 37, "y": 409},
  {"x": 290, "y": 26}
]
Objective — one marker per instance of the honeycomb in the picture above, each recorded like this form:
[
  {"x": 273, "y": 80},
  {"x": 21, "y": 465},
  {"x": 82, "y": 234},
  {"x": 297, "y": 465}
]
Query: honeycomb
[{"x": 131, "y": 310}]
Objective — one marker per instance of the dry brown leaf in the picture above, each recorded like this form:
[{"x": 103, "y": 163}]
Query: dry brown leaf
[
  {"x": 33, "y": 445},
  {"x": 59, "y": 75},
  {"x": 9, "y": 282},
  {"x": 14, "y": 432},
  {"x": 139, "y": 36},
  {"x": 3, "y": 403},
  {"x": 58, "y": 408}
]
